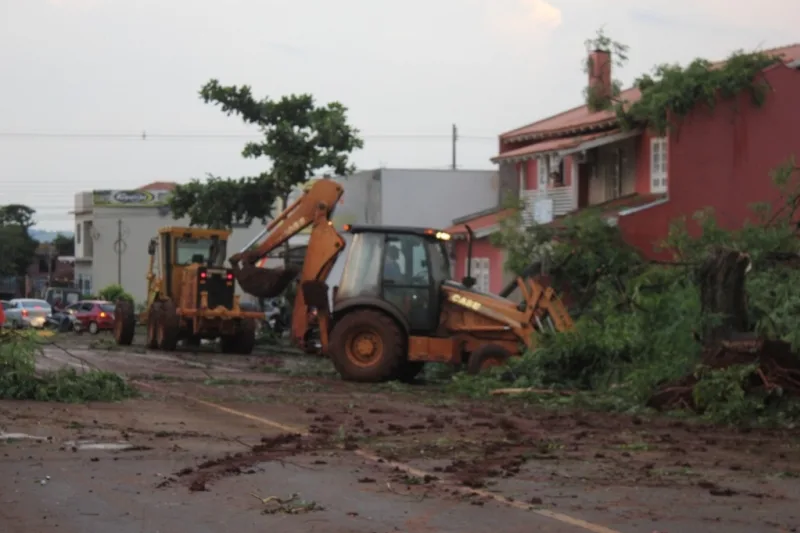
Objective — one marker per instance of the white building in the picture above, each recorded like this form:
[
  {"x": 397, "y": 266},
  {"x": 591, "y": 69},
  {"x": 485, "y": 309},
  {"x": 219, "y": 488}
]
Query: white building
[{"x": 113, "y": 229}]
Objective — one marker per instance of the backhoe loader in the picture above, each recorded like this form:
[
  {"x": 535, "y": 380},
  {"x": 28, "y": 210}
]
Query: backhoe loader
[{"x": 396, "y": 306}]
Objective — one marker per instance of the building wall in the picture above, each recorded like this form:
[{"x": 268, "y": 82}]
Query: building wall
[
  {"x": 723, "y": 159},
  {"x": 481, "y": 248},
  {"x": 434, "y": 197},
  {"x": 139, "y": 225}
]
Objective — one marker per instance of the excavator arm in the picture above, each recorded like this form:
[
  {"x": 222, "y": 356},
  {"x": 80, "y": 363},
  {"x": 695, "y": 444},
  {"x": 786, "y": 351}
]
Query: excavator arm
[{"x": 314, "y": 208}]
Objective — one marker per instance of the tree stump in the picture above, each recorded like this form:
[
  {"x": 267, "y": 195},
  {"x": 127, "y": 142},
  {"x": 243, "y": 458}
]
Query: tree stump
[{"x": 721, "y": 279}]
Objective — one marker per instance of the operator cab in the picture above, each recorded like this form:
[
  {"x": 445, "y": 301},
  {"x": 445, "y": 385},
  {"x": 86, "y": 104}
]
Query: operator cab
[{"x": 400, "y": 267}]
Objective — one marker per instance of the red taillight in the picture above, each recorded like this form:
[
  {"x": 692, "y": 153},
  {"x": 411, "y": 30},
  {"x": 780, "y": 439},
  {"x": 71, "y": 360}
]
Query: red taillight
[
  {"x": 203, "y": 275},
  {"x": 230, "y": 276},
  {"x": 102, "y": 314},
  {"x": 24, "y": 312}
]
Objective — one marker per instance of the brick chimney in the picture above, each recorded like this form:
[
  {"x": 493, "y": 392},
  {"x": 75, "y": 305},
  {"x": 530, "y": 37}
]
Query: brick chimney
[{"x": 600, "y": 77}]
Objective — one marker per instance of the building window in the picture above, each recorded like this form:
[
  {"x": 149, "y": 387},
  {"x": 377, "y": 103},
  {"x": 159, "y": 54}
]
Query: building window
[
  {"x": 658, "y": 165},
  {"x": 523, "y": 176},
  {"x": 480, "y": 271},
  {"x": 542, "y": 172},
  {"x": 77, "y": 233},
  {"x": 84, "y": 283}
]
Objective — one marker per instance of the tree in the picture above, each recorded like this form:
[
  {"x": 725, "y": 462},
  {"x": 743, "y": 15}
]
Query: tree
[
  {"x": 17, "y": 247},
  {"x": 17, "y": 215},
  {"x": 64, "y": 245},
  {"x": 299, "y": 138}
]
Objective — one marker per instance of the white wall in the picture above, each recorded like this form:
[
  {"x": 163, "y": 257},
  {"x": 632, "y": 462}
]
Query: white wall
[
  {"x": 139, "y": 225},
  {"x": 433, "y": 198}
]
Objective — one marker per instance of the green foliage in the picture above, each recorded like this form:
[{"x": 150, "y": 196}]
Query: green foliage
[
  {"x": 671, "y": 92},
  {"x": 300, "y": 139},
  {"x": 64, "y": 245},
  {"x": 17, "y": 247},
  {"x": 17, "y": 215},
  {"x": 115, "y": 292},
  {"x": 20, "y": 381}
]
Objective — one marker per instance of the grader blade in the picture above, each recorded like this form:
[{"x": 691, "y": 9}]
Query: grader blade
[{"x": 263, "y": 282}]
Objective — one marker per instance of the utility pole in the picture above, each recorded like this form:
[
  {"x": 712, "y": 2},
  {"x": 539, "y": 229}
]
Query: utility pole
[
  {"x": 50, "y": 247},
  {"x": 119, "y": 246},
  {"x": 454, "y": 141}
]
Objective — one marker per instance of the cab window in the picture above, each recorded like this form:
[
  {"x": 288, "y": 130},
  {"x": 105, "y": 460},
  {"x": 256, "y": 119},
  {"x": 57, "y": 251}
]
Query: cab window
[{"x": 190, "y": 250}]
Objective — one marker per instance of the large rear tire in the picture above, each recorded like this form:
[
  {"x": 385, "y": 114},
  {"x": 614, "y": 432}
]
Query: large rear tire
[
  {"x": 169, "y": 327},
  {"x": 486, "y": 357},
  {"x": 124, "y": 323},
  {"x": 367, "y": 346},
  {"x": 153, "y": 318},
  {"x": 246, "y": 341}
]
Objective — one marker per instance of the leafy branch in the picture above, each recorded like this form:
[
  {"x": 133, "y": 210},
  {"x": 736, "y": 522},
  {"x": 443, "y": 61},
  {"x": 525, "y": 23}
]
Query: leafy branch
[{"x": 299, "y": 139}]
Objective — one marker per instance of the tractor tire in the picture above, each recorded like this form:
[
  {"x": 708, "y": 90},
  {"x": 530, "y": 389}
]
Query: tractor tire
[
  {"x": 124, "y": 323},
  {"x": 246, "y": 337},
  {"x": 367, "y": 346},
  {"x": 192, "y": 341},
  {"x": 229, "y": 344},
  {"x": 409, "y": 371},
  {"x": 486, "y": 357},
  {"x": 169, "y": 327},
  {"x": 153, "y": 318}
]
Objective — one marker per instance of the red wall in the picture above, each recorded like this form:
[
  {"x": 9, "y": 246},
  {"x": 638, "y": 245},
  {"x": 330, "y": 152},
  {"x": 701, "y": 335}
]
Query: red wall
[
  {"x": 532, "y": 168},
  {"x": 722, "y": 159},
  {"x": 481, "y": 248}
]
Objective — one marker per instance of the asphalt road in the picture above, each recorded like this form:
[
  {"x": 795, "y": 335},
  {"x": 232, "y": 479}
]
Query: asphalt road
[{"x": 278, "y": 443}]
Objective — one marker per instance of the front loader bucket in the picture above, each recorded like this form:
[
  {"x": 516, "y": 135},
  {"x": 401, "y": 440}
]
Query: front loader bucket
[{"x": 264, "y": 282}]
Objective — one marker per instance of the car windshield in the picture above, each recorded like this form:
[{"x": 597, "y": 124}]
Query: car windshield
[
  {"x": 190, "y": 251},
  {"x": 108, "y": 308},
  {"x": 35, "y": 304}
]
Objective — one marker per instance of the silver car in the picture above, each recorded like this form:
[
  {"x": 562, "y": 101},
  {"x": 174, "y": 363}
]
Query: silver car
[{"x": 27, "y": 313}]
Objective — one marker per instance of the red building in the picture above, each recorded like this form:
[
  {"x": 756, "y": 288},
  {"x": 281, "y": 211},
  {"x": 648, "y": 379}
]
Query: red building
[{"x": 640, "y": 181}]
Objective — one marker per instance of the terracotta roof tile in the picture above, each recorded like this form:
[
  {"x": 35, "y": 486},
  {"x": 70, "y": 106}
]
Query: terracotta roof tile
[
  {"x": 581, "y": 118},
  {"x": 552, "y": 145},
  {"x": 481, "y": 221},
  {"x": 609, "y": 208},
  {"x": 159, "y": 186}
]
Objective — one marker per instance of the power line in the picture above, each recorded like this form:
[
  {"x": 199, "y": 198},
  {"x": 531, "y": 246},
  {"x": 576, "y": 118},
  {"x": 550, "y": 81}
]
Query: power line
[{"x": 145, "y": 136}]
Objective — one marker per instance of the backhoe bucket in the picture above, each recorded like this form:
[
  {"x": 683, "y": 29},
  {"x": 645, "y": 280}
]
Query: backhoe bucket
[{"x": 264, "y": 282}]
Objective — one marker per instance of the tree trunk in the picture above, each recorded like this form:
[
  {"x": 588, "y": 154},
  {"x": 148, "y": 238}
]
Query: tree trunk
[{"x": 721, "y": 278}]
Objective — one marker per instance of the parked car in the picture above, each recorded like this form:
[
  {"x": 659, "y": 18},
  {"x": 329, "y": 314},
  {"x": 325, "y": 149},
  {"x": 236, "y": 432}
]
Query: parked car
[
  {"x": 3, "y": 306},
  {"x": 93, "y": 316},
  {"x": 27, "y": 313}
]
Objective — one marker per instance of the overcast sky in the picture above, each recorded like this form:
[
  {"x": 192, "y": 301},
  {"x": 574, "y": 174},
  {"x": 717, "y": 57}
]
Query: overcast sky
[{"x": 407, "y": 70}]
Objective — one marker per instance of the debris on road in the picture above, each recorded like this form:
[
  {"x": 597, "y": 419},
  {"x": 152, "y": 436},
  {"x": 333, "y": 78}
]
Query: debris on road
[{"x": 291, "y": 505}]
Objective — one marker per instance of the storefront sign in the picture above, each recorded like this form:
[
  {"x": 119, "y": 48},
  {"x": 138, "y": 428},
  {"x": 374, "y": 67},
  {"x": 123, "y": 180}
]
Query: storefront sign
[{"x": 133, "y": 198}]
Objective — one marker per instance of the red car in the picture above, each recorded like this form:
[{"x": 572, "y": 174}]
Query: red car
[{"x": 92, "y": 316}]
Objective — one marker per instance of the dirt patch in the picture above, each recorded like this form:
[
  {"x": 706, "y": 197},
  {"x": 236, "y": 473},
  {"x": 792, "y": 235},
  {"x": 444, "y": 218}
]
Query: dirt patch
[{"x": 275, "y": 448}]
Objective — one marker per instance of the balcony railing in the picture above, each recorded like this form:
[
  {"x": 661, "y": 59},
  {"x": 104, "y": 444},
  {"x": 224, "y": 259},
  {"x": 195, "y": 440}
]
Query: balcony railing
[{"x": 563, "y": 201}]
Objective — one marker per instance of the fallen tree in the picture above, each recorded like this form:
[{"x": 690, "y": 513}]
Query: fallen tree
[
  {"x": 716, "y": 331},
  {"x": 20, "y": 380}
]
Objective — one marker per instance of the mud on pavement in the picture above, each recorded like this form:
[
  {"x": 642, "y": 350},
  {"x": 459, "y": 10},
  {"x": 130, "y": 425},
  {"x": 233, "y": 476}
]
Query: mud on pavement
[{"x": 244, "y": 442}]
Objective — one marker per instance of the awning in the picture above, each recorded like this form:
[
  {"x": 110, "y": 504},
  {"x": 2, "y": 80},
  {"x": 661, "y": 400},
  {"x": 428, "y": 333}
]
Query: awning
[{"x": 566, "y": 146}]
